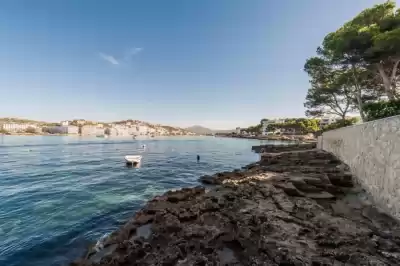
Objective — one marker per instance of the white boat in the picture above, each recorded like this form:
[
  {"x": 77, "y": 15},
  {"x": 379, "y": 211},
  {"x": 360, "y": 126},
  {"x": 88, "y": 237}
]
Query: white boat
[{"x": 133, "y": 159}]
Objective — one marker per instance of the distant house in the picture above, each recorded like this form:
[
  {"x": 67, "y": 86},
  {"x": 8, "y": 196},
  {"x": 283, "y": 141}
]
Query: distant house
[
  {"x": 290, "y": 131},
  {"x": 265, "y": 126},
  {"x": 61, "y": 130},
  {"x": 327, "y": 120},
  {"x": 65, "y": 123},
  {"x": 81, "y": 122},
  {"x": 92, "y": 130},
  {"x": 238, "y": 131}
]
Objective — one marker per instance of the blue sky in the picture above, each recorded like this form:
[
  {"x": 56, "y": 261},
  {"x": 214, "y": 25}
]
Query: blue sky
[{"x": 217, "y": 63}]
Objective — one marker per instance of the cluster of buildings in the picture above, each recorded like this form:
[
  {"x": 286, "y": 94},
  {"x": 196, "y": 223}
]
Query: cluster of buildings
[{"x": 86, "y": 128}]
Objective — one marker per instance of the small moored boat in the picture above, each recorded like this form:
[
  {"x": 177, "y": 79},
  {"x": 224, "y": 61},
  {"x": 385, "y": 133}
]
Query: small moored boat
[{"x": 133, "y": 159}]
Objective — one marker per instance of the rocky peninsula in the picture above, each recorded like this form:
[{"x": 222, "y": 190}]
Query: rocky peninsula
[{"x": 297, "y": 207}]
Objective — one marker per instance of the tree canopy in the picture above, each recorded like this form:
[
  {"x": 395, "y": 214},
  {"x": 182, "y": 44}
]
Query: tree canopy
[{"x": 356, "y": 64}]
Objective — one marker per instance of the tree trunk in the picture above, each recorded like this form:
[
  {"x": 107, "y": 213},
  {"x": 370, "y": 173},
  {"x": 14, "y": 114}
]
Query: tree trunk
[
  {"x": 360, "y": 104},
  {"x": 358, "y": 94},
  {"x": 387, "y": 83}
]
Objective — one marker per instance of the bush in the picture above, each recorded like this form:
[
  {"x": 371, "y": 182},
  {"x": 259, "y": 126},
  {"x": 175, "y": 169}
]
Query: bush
[
  {"x": 341, "y": 123},
  {"x": 31, "y": 130},
  {"x": 378, "y": 110}
]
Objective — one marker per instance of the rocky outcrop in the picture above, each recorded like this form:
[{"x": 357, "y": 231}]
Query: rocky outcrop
[
  {"x": 291, "y": 208},
  {"x": 282, "y": 148}
]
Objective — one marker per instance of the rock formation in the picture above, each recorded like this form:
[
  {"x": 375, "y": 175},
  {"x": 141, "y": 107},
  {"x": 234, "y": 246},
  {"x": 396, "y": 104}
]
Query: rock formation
[{"x": 291, "y": 208}]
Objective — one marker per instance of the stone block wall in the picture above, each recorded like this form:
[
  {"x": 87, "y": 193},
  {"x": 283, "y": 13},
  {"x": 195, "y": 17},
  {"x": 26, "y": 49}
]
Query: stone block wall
[{"x": 372, "y": 150}]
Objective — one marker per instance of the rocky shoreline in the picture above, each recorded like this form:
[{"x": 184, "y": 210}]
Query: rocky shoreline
[{"x": 290, "y": 208}]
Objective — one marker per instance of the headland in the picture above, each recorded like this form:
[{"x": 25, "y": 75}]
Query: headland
[{"x": 293, "y": 207}]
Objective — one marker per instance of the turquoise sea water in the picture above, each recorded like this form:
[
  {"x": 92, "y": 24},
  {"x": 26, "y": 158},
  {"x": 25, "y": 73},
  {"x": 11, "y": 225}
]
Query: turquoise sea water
[{"x": 57, "y": 194}]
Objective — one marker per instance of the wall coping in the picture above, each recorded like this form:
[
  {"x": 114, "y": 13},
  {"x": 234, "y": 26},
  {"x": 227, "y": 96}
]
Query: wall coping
[{"x": 368, "y": 122}]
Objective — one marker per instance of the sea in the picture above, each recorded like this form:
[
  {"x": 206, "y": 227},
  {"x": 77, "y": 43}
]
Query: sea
[{"x": 58, "y": 194}]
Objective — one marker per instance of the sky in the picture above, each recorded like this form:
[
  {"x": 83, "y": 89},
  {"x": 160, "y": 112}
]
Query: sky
[{"x": 219, "y": 64}]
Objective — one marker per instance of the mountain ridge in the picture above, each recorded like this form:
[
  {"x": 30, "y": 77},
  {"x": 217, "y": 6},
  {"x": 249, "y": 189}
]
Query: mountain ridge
[{"x": 204, "y": 130}]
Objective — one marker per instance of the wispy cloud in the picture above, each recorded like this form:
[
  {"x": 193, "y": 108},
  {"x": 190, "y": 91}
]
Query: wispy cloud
[
  {"x": 132, "y": 52},
  {"x": 125, "y": 59},
  {"x": 109, "y": 58}
]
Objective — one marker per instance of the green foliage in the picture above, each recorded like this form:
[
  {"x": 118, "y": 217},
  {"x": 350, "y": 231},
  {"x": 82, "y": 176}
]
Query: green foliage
[
  {"x": 341, "y": 123},
  {"x": 31, "y": 130},
  {"x": 378, "y": 110},
  {"x": 301, "y": 125},
  {"x": 254, "y": 129}
]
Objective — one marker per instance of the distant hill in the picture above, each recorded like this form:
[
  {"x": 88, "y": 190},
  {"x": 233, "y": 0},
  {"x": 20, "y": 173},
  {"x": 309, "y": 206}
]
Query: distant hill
[
  {"x": 199, "y": 130},
  {"x": 203, "y": 130}
]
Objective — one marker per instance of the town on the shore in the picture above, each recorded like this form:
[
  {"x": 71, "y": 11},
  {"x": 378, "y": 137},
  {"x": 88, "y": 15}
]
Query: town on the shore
[{"x": 13, "y": 126}]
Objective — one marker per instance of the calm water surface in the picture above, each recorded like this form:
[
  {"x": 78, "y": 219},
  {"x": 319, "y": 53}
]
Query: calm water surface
[{"x": 57, "y": 194}]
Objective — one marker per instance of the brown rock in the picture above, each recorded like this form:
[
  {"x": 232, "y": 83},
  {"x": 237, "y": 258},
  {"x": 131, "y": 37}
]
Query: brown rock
[{"x": 305, "y": 216}]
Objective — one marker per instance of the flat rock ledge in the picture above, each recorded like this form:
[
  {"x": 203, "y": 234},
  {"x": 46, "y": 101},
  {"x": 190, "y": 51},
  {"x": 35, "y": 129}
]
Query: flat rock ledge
[{"x": 290, "y": 208}]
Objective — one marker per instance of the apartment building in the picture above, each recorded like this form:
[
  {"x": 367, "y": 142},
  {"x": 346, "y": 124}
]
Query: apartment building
[
  {"x": 61, "y": 130},
  {"x": 92, "y": 130},
  {"x": 16, "y": 127},
  {"x": 327, "y": 120}
]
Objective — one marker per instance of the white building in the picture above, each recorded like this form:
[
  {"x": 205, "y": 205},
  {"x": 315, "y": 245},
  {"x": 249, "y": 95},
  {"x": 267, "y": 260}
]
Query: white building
[
  {"x": 266, "y": 122},
  {"x": 15, "y": 127},
  {"x": 327, "y": 120},
  {"x": 65, "y": 123},
  {"x": 72, "y": 130},
  {"x": 81, "y": 121},
  {"x": 238, "y": 130},
  {"x": 61, "y": 129},
  {"x": 92, "y": 130}
]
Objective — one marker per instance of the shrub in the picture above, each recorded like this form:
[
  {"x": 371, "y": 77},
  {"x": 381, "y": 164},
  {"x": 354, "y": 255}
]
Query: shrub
[
  {"x": 341, "y": 123},
  {"x": 378, "y": 110},
  {"x": 31, "y": 130}
]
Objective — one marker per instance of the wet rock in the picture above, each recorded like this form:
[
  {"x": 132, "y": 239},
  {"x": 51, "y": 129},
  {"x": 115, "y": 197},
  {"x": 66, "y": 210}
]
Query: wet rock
[
  {"x": 207, "y": 179},
  {"x": 289, "y": 189},
  {"x": 320, "y": 195}
]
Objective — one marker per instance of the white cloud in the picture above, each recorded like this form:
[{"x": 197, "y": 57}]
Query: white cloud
[
  {"x": 109, "y": 58},
  {"x": 127, "y": 56},
  {"x": 132, "y": 52}
]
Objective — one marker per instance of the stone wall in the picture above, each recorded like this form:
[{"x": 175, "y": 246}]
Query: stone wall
[{"x": 372, "y": 150}]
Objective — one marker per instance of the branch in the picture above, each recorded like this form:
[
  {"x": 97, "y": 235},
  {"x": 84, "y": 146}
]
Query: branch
[
  {"x": 394, "y": 70},
  {"x": 337, "y": 104}
]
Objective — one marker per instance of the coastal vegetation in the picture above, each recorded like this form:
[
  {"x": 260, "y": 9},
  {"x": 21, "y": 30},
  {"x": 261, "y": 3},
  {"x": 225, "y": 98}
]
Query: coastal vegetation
[
  {"x": 356, "y": 69},
  {"x": 300, "y": 125},
  {"x": 382, "y": 109},
  {"x": 30, "y": 130},
  {"x": 340, "y": 123},
  {"x": 254, "y": 129}
]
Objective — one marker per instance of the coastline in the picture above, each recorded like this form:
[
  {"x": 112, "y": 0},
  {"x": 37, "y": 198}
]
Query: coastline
[
  {"x": 291, "y": 138},
  {"x": 292, "y": 207},
  {"x": 77, "y": 135}
]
